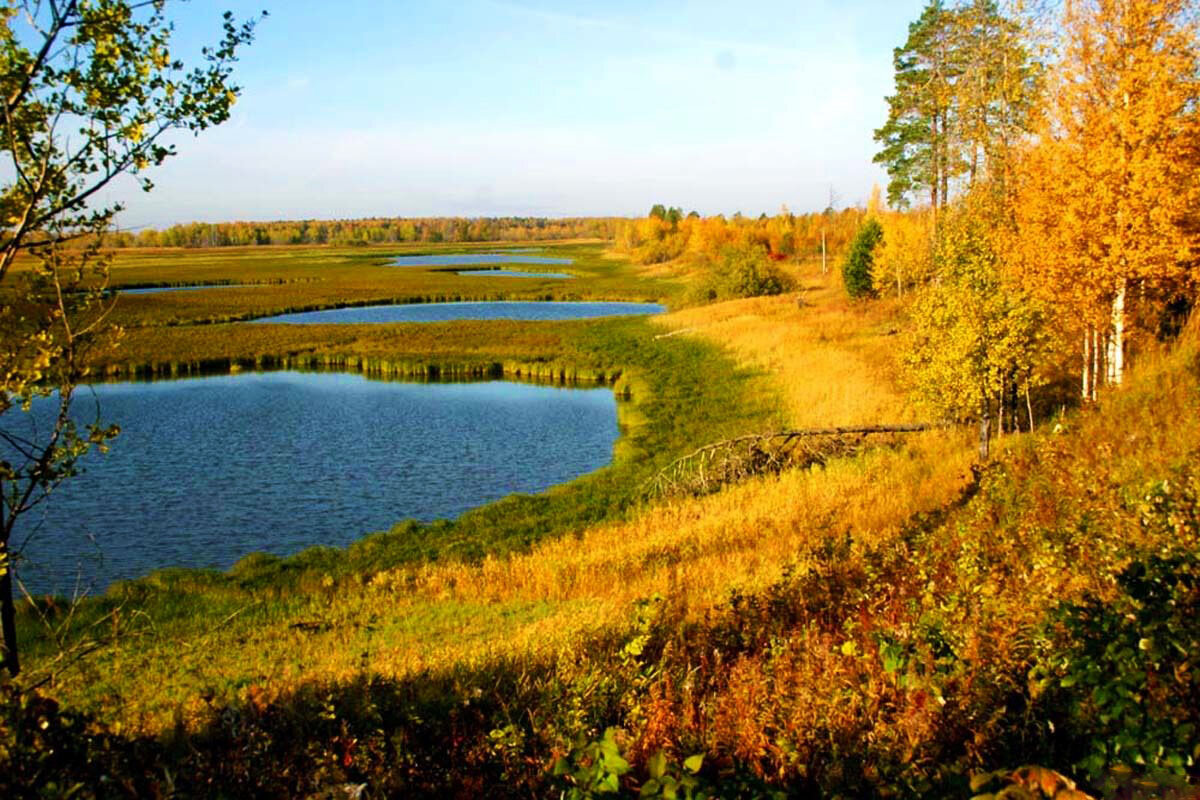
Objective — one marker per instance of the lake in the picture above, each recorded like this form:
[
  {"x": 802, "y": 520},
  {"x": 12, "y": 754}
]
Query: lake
[
  {"x": 445, "y": 312},
  {"x": 472, "y": 259},
  {"x": 207, "y": 470}
]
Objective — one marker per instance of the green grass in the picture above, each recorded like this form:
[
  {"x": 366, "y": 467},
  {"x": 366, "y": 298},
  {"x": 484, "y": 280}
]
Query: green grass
[
  {"x": 674, "y": 392},
  {"x": 289, "y": 279}
]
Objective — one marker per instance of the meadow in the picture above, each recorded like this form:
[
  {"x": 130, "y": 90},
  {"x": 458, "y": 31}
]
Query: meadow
[
  {"x": 283, "y": 279},
  {"x": 897, "y": 622}
]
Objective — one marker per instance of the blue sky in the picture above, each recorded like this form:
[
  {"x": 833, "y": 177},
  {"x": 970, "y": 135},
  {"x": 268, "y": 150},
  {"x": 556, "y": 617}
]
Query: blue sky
[{"x": 491, "y": 107}]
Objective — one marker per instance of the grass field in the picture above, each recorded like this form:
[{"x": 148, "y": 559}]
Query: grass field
[
  {"x": 876, "y": 625},
  {"x": 286, "y": 279}
]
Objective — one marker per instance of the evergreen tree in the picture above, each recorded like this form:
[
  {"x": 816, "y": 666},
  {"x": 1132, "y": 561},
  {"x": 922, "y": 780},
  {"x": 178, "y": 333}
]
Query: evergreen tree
[
  {"x": 965, "y": 83},
  {"x": 857, "y": 271},
  {"x": 915, "y": 134}
]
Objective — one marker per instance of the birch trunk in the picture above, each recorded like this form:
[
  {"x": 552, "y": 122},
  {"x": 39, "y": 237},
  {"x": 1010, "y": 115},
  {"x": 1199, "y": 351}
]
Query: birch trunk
[
  {"x": 1116, "y": 345},
  {"x": 985, "y": 424}
]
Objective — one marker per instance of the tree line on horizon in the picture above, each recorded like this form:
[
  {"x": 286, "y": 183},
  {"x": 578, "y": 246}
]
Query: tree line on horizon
[{"x": 366, "y": 231}]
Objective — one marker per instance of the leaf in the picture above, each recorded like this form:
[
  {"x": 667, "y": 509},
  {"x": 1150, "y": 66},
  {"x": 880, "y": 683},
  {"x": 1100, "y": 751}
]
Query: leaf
[
  {"x": 982, "y": 779},
  {"x": 657, "y": 764},
  {"x": 693, "y": 763}
]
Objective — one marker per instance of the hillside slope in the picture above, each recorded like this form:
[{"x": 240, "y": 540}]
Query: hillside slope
[{"x": 887, "y": 624}]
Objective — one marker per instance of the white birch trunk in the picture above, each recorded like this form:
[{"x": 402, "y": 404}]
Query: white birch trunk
[{"x": 1116, "y": 346}]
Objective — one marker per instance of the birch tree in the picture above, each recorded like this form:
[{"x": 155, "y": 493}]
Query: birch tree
[
  {"x": 1109, "y": 194},
  {"x": 88, "y": 90},
  {"x": 978, "y": 338}
]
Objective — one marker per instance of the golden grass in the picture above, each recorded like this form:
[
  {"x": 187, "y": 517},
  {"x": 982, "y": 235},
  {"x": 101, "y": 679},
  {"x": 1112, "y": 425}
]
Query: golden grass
[
  {"x": 830, "y": 361},
  {"x": 550, "y": 600},
  {"x": 833, "y": 359}
]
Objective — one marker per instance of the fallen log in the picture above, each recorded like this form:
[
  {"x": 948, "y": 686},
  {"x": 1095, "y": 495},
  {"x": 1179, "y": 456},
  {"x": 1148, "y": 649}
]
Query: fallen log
[{"x": 720, "y": 463}]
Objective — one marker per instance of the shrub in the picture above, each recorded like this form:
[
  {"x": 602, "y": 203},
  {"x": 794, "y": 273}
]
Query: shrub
[
  {"x": 745, "y": 271},
  {"x": 1130, "y": 667}
]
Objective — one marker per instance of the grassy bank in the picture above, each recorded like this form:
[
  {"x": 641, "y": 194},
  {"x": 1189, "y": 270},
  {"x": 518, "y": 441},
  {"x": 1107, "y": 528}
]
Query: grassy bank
[
  {"x": 884, "y": 625},
  {"x": 674, "y": 391}
]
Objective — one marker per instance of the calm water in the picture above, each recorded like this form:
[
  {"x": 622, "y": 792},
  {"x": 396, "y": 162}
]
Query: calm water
[
  {"x": 207, "y": 470},
  {"x": 471, "y": 259},
  {"x": 157, "y": 289},
  {"x": 444, "y": 312},
  {"x": 512, "y": 273}
]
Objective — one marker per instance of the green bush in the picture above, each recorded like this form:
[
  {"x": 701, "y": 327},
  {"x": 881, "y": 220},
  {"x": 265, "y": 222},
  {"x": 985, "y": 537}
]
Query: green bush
[
  {"x": 856, "y": 271},
  {"x": 1130, "y": 672},
  {"x": 744, "y": 272}
]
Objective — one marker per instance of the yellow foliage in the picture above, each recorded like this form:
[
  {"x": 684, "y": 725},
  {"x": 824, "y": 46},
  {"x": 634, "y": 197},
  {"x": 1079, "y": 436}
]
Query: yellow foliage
[
  {"x": 904, "y": 258},
  {"x": 1107, "y": 192}
]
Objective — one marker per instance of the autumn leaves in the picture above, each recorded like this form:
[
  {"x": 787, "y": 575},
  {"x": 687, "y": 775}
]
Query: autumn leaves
[{"x": 1063, "y": 180}]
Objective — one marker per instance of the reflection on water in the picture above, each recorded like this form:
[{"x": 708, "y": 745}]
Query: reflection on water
[
  {"x": 445, "y": 312},
  {"x": 207, "y": 470}
]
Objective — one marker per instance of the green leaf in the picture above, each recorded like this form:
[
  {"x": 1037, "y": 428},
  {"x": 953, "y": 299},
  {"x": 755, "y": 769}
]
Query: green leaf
[
  {"x": 981, "y": 779},
  {"x": 693, "y": 763},
  {"x": 657, "y": 764}
]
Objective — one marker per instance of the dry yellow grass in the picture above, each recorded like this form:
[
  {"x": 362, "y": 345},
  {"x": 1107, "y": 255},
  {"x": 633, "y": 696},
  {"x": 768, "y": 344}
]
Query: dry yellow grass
[
  {"x": 833, "y": 359},
  {"x": 830, "y": 361},
  {"x": 545, "y": 602}
]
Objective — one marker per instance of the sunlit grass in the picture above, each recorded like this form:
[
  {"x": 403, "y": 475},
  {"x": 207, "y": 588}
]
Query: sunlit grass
[
  {"x": 566, "y": 589},
  {"x": 785, "y": 599},
  {"x": 833, "y": 358}
]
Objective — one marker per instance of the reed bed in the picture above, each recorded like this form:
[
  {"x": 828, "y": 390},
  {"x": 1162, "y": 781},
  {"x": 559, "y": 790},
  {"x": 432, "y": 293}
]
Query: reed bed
[{"x": 266, "y": 281}]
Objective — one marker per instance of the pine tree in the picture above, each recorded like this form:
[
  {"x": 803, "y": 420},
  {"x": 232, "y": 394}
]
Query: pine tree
[
  {"x": 965, "y": 84},
  {"x": 857, "y": 270}
]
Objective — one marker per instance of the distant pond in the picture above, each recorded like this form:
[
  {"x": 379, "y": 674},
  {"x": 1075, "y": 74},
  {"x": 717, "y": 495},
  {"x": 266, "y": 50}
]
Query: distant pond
[
  {"x": 207, "y": 470},
  {"x": 445, "y": 312},
  {"x": 473, "y": 259}
]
